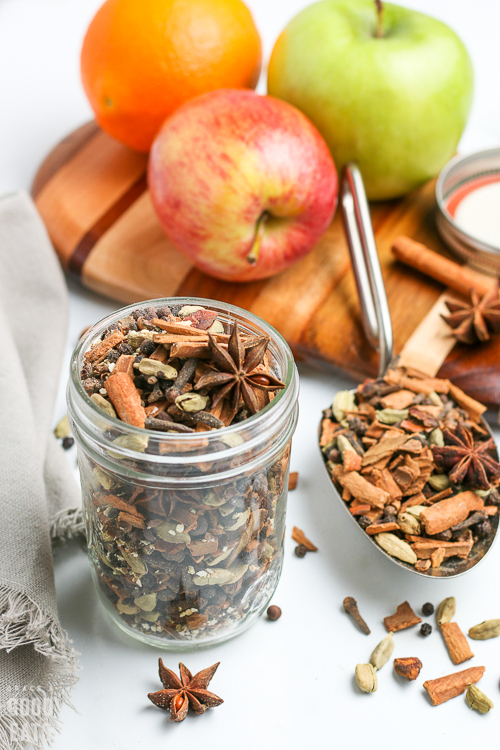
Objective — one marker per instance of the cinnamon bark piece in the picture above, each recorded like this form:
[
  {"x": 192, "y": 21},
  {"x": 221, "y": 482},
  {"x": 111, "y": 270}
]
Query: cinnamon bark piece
[
  {"x": 440, "y": 496},
  {"x": 473, "y": 407},
  {"x": 385, "y": 481},
  {"x": 99, "y": 351},
  {"x": 426, "y": 548},
  {"x": 408, "y": 668},
  {"x": 185, "y": 338},
  {"x": 328, "y": 429},
  {"x": 154, "y": 409},
  {"x": 137, "y": 521},
  {"x": 360, "y": 488},
  {"x": 351, "y": 460},
  {"x": 437, "y": 557},
  {"x": 125, "y": 363},
  {"x": 418, "y": 385},
  {"x": 125, "y": 398},
  {"x": 386, "y": 448},
  {"x": 179, "y": 328},
  {"x": 190, "y": 349},
  {"x": 379, "y": 528},
  {"x": 447, "y": 513},
  {"x": 117, "y": 502},
  {"x": 293, "y": 480},
  {"x": 422, "y": 565},
  {"x": 456, "y": 643},
  {"x": 160, "y": 354},
  {"x": 404, "y": 618},
  {"x": 399, "y": 400},
  {"x": 360, "y": 509},
  {"x": 299, "y": 537},
  {"x": 444, "y": 688}
]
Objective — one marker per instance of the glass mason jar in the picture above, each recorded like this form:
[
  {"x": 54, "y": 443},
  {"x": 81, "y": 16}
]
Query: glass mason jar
[{"x": 185, "y": 531}]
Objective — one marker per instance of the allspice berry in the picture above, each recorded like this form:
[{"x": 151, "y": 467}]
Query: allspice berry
[
  {"x": 425, "y": 629},
  {"x": 274, "y": 612},
  {"x": 300, "y": 550},
  {"x": 428, "y": 609}
]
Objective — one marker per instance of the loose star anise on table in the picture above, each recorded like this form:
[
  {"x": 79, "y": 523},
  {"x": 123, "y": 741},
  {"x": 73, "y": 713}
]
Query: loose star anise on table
[
  {"x": 476, "y": 321},
  {"x": 178, "y": 694},
  {"x": 469, "y": 462},
  {"x": 234, "y": 372}
]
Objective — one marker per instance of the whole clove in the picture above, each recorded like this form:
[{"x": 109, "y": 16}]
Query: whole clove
[{"x": 351, "y": 607}]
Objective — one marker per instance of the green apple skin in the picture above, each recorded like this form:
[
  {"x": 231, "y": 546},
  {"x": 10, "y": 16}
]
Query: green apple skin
[{"x": 395, "y": 105}]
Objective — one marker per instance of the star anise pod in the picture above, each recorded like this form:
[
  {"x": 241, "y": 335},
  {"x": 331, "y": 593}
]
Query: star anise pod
[
  {"x": 177, "y": 695},
  {"x": 476, "y": 321},
  {"x": 234, "y": 372},
  {"x": 466, "y": 461}
]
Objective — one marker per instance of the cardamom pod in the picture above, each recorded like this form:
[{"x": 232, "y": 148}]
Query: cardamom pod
[
  {"x": 343, "y": 401},
  {"x": 154, "y": 366},
  {"x": 436, "y": 437},
  {"x": 366, "y": 678},
  {"x": 485, "y": 630},
  {"x": 391, "y": 416},
  {"x": 146, "y": 602},
  {"x": 62, "y": 428},
  {"x": 409, "y": 524},
  {"x": 436, "y": 399},
  {"x": 103, "y": 404},
  {"x": 382, "y": 653},
  {"x": 415, "y": 510},
  {"x": 396, "y": 547},
  {"x": 439, "y": 482},
  {"x": 191, "y": 402},
  {"x": 477, "y": 700},
  {"x": 446, "y": 610},
  {"x": 343, "y": 444}
]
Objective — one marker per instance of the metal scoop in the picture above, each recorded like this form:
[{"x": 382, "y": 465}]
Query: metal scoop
[{"x": 377, "y": 324}]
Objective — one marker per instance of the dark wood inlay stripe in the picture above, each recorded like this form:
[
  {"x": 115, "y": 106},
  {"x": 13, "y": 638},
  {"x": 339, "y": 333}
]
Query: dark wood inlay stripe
[{"x": 106, "y": 221}]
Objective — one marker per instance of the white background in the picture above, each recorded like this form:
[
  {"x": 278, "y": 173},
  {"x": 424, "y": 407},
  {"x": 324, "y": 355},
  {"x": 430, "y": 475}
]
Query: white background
[{"x": 288, "y": 683}]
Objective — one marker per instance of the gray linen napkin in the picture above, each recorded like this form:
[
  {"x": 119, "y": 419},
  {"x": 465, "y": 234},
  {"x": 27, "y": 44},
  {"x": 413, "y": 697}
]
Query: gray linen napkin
[{"x": 39, "y": 497}]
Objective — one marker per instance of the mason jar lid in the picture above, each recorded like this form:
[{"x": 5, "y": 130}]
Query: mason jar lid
[{"x": 468, "y": 199}]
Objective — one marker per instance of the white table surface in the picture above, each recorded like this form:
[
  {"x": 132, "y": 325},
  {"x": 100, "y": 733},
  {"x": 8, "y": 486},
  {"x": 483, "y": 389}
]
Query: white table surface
[{"x": 288, "y": 683}]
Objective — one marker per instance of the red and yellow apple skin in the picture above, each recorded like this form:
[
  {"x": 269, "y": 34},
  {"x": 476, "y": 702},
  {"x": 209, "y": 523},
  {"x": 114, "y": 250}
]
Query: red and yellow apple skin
[{"x": 243, "y": 184}]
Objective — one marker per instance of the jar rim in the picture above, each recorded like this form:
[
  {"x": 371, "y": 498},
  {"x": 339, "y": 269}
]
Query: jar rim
[{"x": 278, "y": 407}]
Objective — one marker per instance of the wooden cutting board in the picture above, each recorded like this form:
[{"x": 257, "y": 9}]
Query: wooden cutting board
[{"x": 92, "y": 194}]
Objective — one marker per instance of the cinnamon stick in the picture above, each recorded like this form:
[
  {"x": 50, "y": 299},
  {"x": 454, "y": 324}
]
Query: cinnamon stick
[
  {"x": 460, "y": 278},
  {"x": 447, "y": 513},
  {"x": 404, "y": 618},
  {"x": 456, "y": 642},
  {"x": 444, "y": 688},
  {"x": 125, "y": 398}
]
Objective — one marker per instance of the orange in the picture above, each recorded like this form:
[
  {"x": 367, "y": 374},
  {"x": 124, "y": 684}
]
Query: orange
[{"x": 141, "y": 59}]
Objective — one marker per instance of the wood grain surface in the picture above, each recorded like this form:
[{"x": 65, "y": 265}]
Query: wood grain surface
[{"x": 92, "y": 194}]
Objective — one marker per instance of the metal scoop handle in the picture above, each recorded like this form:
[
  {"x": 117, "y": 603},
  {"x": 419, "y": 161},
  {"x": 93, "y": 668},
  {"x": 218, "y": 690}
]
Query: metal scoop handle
[{"x": 375, "y": 313}]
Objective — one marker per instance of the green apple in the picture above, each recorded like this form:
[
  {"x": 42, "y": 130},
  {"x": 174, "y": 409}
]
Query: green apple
[{"x": 387, "y": 87}]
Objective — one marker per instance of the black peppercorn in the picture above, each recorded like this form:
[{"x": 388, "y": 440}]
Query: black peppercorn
[
  {"x": 425, "y": 629},
  {"x": 68, "y": 443},
  {"x": 364, "y": 521},
  {"x": 300, "y": 550},
  {"x": 428, "y": 609},
  {"x": 147, "y": 347},
  {"x": 274, "y": 612}
]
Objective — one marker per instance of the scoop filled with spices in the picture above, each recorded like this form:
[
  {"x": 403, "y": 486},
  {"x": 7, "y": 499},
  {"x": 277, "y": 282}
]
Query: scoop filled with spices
[{"x": 410, "y": 457}]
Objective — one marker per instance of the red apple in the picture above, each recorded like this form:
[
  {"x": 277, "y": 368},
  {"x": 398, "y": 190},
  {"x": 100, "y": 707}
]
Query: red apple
[{"x": 243, "y": 184}]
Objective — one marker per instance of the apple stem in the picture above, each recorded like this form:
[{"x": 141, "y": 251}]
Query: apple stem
[
  {"x": 253, "y": 255},
  {"x": 380, "y": 17}
]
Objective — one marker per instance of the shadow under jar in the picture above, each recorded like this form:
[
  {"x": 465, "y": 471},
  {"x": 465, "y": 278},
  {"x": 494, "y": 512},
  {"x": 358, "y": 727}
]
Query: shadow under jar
[{"x": 185, "y": 531}]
